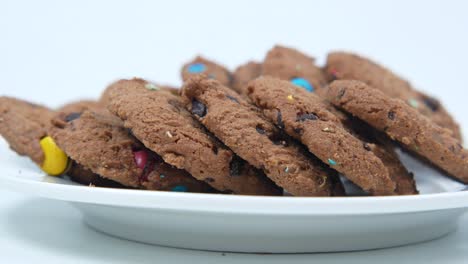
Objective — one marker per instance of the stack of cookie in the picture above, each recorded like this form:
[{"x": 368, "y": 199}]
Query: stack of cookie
[{"x": 281, "y": 126}]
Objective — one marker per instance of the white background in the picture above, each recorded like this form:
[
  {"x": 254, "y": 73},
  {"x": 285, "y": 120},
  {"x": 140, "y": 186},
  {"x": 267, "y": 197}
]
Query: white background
[{"x": 52, "y": 52}]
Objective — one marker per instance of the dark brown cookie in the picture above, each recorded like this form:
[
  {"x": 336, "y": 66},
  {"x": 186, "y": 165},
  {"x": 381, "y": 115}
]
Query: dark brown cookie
[
  {"x": 402, "y": 123},
  {"x": 347, "y": 66},
  {"x": 212, "y": 70},
  {"x": 294, "y": 66},
  {"x": 98, "y": 141},
  {"x": 245, "y": 73},
  {"x": 242, "y": 127},
  {"x": 80, "y": 174},
  {"x": 305, "y": 117},
  {"x": 161, "y": 122}
]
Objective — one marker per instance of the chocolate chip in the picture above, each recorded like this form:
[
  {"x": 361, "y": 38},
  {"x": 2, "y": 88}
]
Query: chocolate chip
[
  {"x": 215, "y": 150},
  {"x": 260, "y": 129},
  {"x": 366, "y": 147},
  {"x": 432, "y": 103},
  {"x": 198, "y": 108},
  {"x": 304, "y": 117},
  {"x": 232, "y": 98},
  {"x": 341, "y": 93},
  {"x": 72, "y": 116},
  {"x": 391, "y": 115},
  {"x": 279, "y": 120},
  {"x": 235, "y": 168}
]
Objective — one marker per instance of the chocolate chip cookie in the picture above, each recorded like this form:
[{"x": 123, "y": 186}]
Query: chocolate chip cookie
[
  {"x": 99, "y": 141},
  {"x": 294, "y": 66},
  {"x": 305, "y": 117},
  {"x": 348, "y": 66},
  {"x": 242, "y": 127},
  {"x": 212, "y": 70},
  {"x": 160, "y": 121},
  {"x": 245, "y": 73},
  {"x": 403, "y": 123}
]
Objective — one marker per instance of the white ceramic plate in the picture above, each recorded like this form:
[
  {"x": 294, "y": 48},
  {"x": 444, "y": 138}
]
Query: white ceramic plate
[{"x": 253, "y": 224}]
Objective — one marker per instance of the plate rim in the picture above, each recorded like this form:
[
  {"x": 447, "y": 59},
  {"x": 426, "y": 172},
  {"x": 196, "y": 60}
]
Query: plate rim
[{"x": 223, "y": 203}]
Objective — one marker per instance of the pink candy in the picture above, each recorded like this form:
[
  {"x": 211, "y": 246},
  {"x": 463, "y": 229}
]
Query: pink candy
[{"x": 141, "y": 158}]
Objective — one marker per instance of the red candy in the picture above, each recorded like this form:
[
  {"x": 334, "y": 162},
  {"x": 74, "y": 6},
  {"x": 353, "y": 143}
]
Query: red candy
[{"x": 141, "y": 158}]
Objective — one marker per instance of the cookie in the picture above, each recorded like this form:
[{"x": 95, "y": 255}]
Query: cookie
[
  {"x": 292, "y": 65},
  {"x": 347, "y": 66},
  {"x": 80, "y": 174},
  {"x": 305, "y": 117},
  {"x": 383, "y": 148},
  {"x": 245, "y": 73},
  {"x": 23, "y": 125},
  {"x": 104, "y": 100},
  {"x": 99, "y": 141},
  {"x": 242, "y": 127},
  {"x": 200, "y": 65},
  {"x": 159, "y": 120},
  {"x": 402, "y": 123}
]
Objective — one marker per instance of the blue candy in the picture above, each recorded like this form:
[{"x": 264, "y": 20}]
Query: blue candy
[
  {"x": 179, "y": 188},
  {"x": 301, "y": 82},
  {"x": 196, "y": 68}
]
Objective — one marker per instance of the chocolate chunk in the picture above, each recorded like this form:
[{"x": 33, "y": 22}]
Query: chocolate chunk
[
  {"x": 279, "y": 120},
  {"x": 260, "y": 129},
  {"x": 72, "y": 117},
  {"x": 432, "y": 103},
  {"x": 235, "y": 168},
  {"x": 304, "y": 117},
  {"x": 198, "y": 108},
  {"x": 232, "y": 98},
  {"x": 391, "y": 115}
]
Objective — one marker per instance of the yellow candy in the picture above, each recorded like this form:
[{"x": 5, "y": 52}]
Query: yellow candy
[{"x": 55, "y": 160}]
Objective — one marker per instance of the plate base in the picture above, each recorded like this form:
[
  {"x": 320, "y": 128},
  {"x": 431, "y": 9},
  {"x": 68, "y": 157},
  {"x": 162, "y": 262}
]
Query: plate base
[{"x": 263, "y": 233}]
